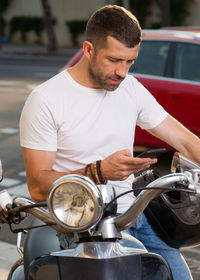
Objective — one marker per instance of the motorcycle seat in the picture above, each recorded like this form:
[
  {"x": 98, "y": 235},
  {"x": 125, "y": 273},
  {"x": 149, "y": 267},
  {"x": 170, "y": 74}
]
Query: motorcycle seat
[{"x": 39, "y": 241}]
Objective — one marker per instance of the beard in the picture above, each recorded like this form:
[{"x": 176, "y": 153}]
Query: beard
[{"x": 104, "y": 81}]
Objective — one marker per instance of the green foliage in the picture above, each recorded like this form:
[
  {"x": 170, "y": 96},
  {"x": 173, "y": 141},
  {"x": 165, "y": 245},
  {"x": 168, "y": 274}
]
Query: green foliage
[
  {"x": 76, "y": 27},
  {"x": 179, "y": 11},
  {"x": 119, "y": 2},
  {"x": 140, "y": 9},
  {"x": 24, "y": 24},
  {"x": 2, "y": 24},
  {"x": 4, "y": 4}
]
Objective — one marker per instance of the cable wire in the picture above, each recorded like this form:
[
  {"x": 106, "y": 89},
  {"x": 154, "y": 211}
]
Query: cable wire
[{"x": 144, "y": 188}]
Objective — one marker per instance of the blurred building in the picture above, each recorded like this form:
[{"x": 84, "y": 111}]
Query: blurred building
[{"x": 63, "y": 10}]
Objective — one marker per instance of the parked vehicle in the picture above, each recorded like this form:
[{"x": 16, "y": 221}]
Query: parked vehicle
[
  {"x": 168, "y": 66},
  {"x": 76, "y": 206}
]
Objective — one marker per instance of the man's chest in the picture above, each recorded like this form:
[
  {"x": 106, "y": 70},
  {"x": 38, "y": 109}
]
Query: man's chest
[{"x": 95, "y": 125}]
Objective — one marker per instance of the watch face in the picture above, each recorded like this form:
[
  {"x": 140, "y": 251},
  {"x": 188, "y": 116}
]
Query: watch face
[{"x": 73, "y": 205}]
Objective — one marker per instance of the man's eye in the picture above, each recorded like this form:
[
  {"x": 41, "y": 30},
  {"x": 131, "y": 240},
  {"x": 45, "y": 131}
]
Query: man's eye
[{"x": 113, "y": 60}]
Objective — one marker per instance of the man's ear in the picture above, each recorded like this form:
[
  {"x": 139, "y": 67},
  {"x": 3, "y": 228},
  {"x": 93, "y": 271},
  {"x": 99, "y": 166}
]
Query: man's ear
[{"x": 88, "y": 49}]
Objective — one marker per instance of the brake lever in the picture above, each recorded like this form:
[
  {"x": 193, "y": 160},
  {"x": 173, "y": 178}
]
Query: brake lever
[{"x": 194, "y": 180}]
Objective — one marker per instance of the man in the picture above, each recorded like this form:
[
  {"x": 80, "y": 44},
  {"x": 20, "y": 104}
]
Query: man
[{"x": 83, "y": 121}]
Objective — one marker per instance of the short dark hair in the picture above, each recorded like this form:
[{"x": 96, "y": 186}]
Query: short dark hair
[{"x": 115, "y": 21}]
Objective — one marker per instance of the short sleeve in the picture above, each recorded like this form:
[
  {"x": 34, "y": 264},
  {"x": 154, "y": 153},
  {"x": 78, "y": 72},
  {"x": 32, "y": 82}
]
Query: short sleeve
[
  {"x": 150, "y": 112},
  {"x": 37, "y": 124}
]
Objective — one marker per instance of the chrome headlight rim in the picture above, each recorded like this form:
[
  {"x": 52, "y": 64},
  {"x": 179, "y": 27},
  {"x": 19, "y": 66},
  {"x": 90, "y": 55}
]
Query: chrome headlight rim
[{"x": 89, "y": 186}]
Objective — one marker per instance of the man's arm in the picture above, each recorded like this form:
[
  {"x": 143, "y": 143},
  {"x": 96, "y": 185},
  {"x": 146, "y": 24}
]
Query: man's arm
[
  {"x": 40, "y": 175},
  {"x": 179, "y": 137}
]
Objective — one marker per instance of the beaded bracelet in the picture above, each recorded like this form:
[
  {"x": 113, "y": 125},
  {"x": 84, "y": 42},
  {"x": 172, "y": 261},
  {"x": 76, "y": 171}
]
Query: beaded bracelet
[
  {"x": 99, "y": 171},
  {"x": 89, "y": 167},
  {"x": 94, "y": 165},
  {"x": 92, "y": 174},
  {"x": 95, "y": 172}
]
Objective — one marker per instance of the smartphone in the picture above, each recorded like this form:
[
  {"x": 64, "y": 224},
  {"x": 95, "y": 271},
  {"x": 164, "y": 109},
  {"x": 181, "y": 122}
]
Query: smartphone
[{"x": 152, "y": 153}]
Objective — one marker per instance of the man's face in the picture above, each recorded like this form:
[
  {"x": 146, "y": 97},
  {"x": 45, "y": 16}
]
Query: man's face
[{"x": 109, "y": 66}]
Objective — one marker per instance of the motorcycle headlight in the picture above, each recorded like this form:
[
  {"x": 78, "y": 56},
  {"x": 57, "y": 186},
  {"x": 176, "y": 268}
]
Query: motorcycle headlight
[{"x": 75, "y": 202}]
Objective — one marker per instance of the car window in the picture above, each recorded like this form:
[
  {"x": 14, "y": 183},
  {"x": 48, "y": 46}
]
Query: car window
[
  {"x": 187, "y": 62},
  {"x": 152, "y": 58}
]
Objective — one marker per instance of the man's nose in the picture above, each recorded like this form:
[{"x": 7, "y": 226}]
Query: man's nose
[{"x": 121, "y": 70}]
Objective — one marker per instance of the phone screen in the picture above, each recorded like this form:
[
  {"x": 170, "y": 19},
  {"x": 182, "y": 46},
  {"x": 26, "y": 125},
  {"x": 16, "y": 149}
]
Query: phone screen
[{"x": 152, "y": 153}]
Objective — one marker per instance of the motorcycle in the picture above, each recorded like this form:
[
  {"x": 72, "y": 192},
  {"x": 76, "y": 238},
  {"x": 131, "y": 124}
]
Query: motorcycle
[{"x": 78, "y": 208}]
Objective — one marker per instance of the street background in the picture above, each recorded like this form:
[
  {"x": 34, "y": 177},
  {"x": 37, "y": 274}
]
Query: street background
[{"x": 21, "y": 70}]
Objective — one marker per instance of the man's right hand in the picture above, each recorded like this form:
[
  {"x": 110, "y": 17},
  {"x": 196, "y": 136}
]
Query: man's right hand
[{"x": 120, "y": 165}]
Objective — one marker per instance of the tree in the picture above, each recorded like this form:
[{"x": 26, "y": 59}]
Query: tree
[
  {"x": 3, "y": 7},
  {"x": 180, "y": 11},
  {"x": 174, "y": 12},
  {"x": 52, "y": 45},
  {"x": 141, "y": 8},
  {"x": 165, "y": 7}
]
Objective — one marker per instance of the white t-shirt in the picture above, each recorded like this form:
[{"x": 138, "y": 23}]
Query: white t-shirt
[{"x": 83, "y": 124}]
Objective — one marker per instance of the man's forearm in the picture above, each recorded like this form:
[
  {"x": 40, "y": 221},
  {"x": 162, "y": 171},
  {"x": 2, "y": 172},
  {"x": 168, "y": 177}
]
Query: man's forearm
[
  {"x": 178, "y": 137},
  {"x": 40, "y": 184},
  {"x": 191, "y": 149},
  {"x": 118, "y": 166}
]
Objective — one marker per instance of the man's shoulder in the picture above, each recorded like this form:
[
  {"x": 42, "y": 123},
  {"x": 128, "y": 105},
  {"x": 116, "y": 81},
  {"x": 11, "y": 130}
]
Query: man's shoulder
[
  {"x": 49, "y": 93},
  {"x": 130, "y": 83},
  {"x": 131, "y": 80},
  {"x": 131, "y": 77},
  {"x": 54, "y": 87},
  {"x": 55, "y": 81}
]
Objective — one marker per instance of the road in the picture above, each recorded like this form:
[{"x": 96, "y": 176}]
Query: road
[
  {"x": 31, "y": 66},
  {"x": 14, "y": 89}
]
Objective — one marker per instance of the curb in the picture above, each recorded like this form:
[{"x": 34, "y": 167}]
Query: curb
[{"x": 8, "y": 256}]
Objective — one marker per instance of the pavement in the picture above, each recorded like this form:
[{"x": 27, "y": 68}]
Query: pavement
[
  {"x": 8, "y": 251},
  {"x": 12, "y": 50},
  {"x": 8, "y": 256}
]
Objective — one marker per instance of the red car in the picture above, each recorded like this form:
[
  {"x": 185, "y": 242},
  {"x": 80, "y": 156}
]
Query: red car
[{"x": 169, "y": 67}]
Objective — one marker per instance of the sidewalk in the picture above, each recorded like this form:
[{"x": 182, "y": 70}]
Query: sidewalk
[{"x": 8, "y": 256}]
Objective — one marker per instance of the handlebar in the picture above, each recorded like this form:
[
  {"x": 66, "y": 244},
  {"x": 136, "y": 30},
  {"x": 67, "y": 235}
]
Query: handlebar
[
  {"x": 110, "y": 227},
  {"x": 127, "y": 219},
  {"x": 39, "y": 212}
]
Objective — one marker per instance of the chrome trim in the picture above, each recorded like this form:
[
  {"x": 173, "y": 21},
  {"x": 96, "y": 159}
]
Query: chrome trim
[
  {"x": 127, "y": 219},
  {"x": 107, "y": 229},
  {"x": 91, "y": 188},
  {"x": 40, "y": 213},
  {"x": 107, "y": 192},
  {"x": 19, "y": 249},
  {"x": 99, "y": 250}
]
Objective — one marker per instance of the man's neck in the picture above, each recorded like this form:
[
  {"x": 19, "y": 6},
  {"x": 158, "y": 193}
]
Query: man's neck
[{"x": 80, "y": 74}]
